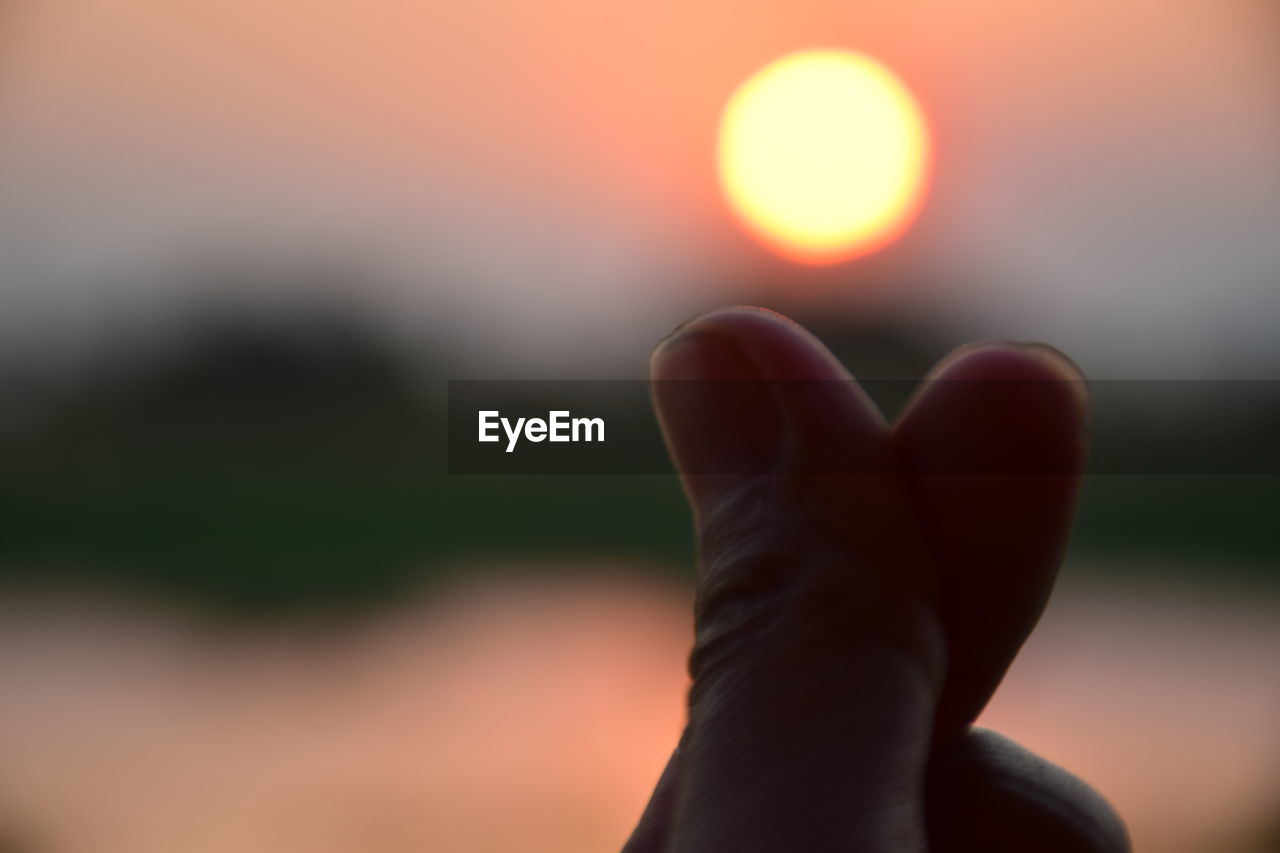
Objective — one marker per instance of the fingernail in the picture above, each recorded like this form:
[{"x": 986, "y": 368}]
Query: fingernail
[
  {"x": 1051, "y": 356},
  {"x": 716, "y": 409}
]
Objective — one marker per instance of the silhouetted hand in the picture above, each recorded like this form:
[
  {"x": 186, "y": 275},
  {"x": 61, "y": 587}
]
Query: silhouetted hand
[{"x": 850, "y": 627}]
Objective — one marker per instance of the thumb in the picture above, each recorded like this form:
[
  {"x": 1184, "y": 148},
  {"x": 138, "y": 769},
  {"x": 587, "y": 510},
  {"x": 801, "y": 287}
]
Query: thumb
[{"x": 818, "y": 655}]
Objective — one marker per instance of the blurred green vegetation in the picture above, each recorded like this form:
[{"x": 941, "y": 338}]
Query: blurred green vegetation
[{"x": 259, "y": 468}]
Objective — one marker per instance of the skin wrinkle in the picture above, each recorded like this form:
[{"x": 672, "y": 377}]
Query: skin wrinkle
[
  {"x": 747, "y": 549},
  {"x": 736, "y": 616},
  {"x": 763, "y": 620},
  {"x": 870, "y": 806}
]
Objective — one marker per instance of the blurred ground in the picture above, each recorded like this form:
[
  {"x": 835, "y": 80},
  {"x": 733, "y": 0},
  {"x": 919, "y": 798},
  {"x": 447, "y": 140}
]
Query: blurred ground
[{"x": 529, "y": 715}]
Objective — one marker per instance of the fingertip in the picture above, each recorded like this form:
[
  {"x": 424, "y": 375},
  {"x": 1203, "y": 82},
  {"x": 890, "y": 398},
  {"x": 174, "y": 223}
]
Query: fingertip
[
  {"x": 1008, "y": 361},
  {"x": 828, "y": 423},
  {"x": 778, "y": 347},
  {"x": 1020, "y": 408}
]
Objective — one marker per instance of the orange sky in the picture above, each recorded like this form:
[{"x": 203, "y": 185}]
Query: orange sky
[{"x": 557, "y": 155}]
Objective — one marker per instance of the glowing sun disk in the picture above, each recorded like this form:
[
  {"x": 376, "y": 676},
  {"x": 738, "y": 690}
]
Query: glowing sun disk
[{"x": 824, "y": 155}]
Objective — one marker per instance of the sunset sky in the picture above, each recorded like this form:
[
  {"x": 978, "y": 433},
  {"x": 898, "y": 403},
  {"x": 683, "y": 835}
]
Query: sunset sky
[{"x": 538, "y": 181}]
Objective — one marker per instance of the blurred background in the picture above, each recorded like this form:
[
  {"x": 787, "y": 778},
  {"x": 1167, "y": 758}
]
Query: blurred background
[{"x": 245, "y": 242}]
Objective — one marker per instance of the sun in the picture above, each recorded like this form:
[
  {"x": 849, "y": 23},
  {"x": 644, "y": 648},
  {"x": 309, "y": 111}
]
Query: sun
[{"x": 824, "y": 155}]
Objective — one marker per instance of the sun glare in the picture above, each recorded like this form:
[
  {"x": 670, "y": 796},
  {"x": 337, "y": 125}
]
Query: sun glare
[{"x": 824, "y": 155}]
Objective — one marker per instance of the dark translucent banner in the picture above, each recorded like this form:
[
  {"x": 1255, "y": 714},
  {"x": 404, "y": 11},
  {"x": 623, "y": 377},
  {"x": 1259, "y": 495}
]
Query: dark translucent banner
[{"x": 608, "y": 427}]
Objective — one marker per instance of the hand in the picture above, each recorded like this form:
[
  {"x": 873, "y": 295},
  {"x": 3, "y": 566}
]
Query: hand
[{"x": 849, "y": 627}]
